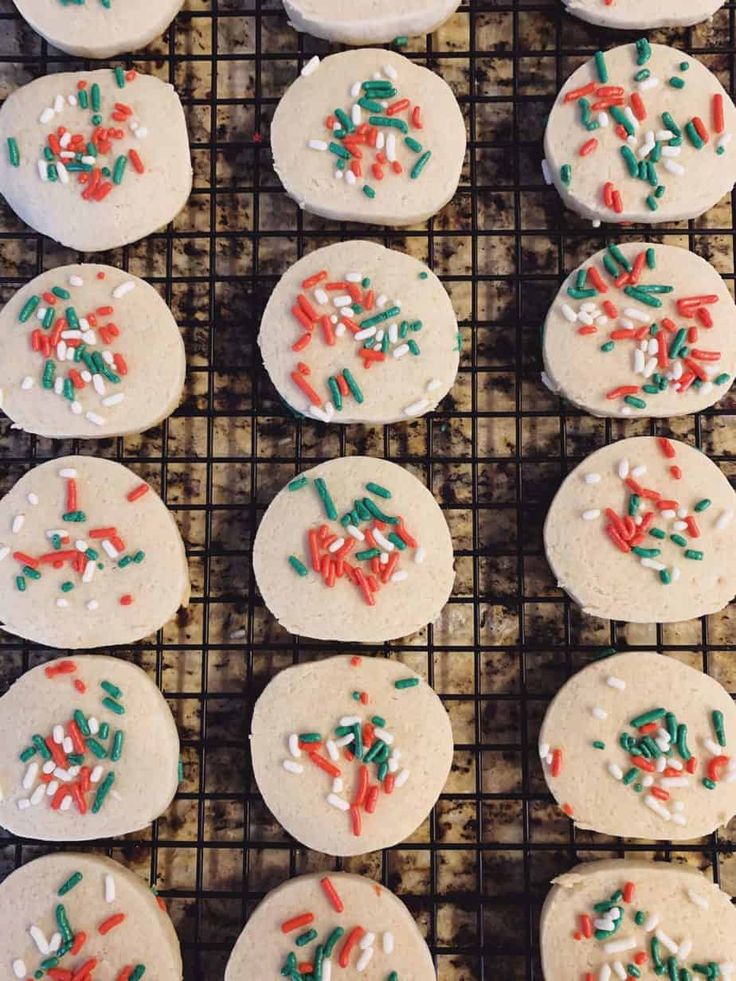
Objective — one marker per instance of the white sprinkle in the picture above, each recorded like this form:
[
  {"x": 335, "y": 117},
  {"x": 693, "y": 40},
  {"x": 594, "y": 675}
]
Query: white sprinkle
[
  {"x": 355, "y": 89},
  {"x": 38, "y": 794},
  {"x": 546, "y": 172},
  {"x": 651, "y": 923},
  {"x": 68, "y": 745},
  {"x": 66, "y": 803},
  {"x": 49, "y": 766},
  {"x": 96, "y": 773},
  {"x": 383, "y": 558},
  {"x": 591, "y": 514},
  {"x": 605, "y": 973},
  {"x": 401, "y": 779},
  {"x": 4, "y": 552},
  {"x": 39, "y": 939},
  {"x": 698, "y": 900},
  {"x": 114, "y": 399},
  {"x": 543, "y": 750},
  {"x": 368, "y": 332},
  {"x": 399, "y": 576},
  {"x": 47, "y": 115},
  {"x": 383, "y": 541},
  {"x": 58, "y": 734},
  {"x": 94, "y": 418},
  {"x": 59, "y": 385},
  {"x": 400, "y": 351},
  {"x": 109, "y": 889},
  {"x": 387, "y": 737},
  {"x": 638, "y": 362},
  {"x": 30, "y": 776},
  {"x": 26, "y": 383},
  {"x": 294, "y": 746},
  {"x": 724, "y": 520},
  {"x": 94, "y": 725},
  {"x": 388, "y": 942},
  {"x": 685, "y": 947},
  {"x": 18, "y": 522},
  {"x": 345, "y": 740},
  {"x": 355, "y": 533},
  {"x": 43, "y": 170},
  {"x": 332, "y": 750},
  {"x": 602, "y": 118},
  {"x": 647, "y": 780},
  {"x": 420, "y": 555},
  {"x": 23, "y": 804},
  {"x": 616, "y": 772},
  {"x": 668, "y": 942},
  {"x": 354, "y": 277},
  {"x": 619, "y": 946},
  {"x": 54, "y": 943},
  {"x": 592, "y": 478},
  {"x": 292, "y": 767},
  {"x": 675, "y": 573},
  {"x": 568, "y": 313},
  {"x": 416, "y": 408},
  {"x": 390, "y": 72},
  {"x": 311, "y": 66},
  {"x": 433, "y": 384},
  {"x": 713, "y": 748},
  {"x": 19, "y": 968},
  {"x": 62, "y": 603},
  {"x": 109, "y": 548},
  {"x": 317, "y": 145},
  {"x": 364, "y": 960},
  {"x": 724, "y": 140},
  {"x": 620, "y": 970},
  {"x": 613, "y": 682},
  {"x": 350, "y": 720},
  {"x": 648, "y": 83},
  {"x": 623, "y": 469},
  {"x": 89, "y": 571},
  {"x": 654, "y": 805},
  {"x": 337, "y": 786},
  {"x": 367, "y": 940},
  {"x": 652, "y": 564},
  {"x": 339, "y": 802},
  {"x": 51, "y": 787}
]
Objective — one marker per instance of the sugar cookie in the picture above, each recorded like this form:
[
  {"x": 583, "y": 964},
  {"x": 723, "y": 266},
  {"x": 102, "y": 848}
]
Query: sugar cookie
[
  {"x": 99, "y": 28},
  {"x": 635, "y": 15},
  {"x": 340, "y": 925},
  {"x": 637, "y": 745},
  {"x": 70, "y": 913},
  {"x": 75, "y": 758},
  {"x": 333, "y": 744},
  {"x": 367, "y": 135},
  {"x": 641, "y": 329},
  {"x": 641, "y": 133},
  {"x": 376, "y": 23},
  {"x": 355, "y": 549},
  {"x": 385, "y": 306},
  {"x": 643, "y": 531},
  {"x": 95, "y": 159},
  {"x": 89, "y": 351},
  {"x": 90, "y": 556},
  {"x": 602, "y": 919}
]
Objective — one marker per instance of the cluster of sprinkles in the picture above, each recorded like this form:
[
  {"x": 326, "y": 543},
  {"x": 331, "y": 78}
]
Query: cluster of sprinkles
[
  {"x": 649, "y": 144},
  {"x": 78, "y": 559},
  {"x": 647, "y": 509},
  {"x": 667, "y": 350},
  {"x": 379, "y": 542},
  {"x": 70, "y": 766},
  {"x": 326, "y": 310},
  {"x": 74, "y": 346},
  {"x": 65, "y": 942},
  {"x": 356, "y": 946},
  {"x": 364, "y": 741},
  {"x": 93, "y": 154},
  {"x": 657, "y": 758},
  {"x": 107, "y": 4},
  {"x": 369, "y": 139},
  {"x": 611, "y": 924}
]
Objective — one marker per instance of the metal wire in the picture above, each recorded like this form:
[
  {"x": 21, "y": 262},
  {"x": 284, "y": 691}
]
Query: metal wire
[{"x": 493, "y": 454}]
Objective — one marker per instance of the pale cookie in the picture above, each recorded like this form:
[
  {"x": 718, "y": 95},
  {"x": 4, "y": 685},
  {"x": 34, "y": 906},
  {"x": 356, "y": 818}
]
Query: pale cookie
[
  {"x": 628, "y": 919},
  {"x": 136, "y": 180},
  {"x": 637, "y": 745},
  {"x": 639, "y": 329},
  {"x": 80, "y": 915},
  {"x": 89, "y": 351},
  {"x": 643, "y": 531},
  {"x": 355, "y": 549},
  {"x": 99, "y": 28},
  {"x": 369, "y": 136},
  {"x": 343, "y": 926},
  {"x": 635, "y": 15},
  {"x": 350, "y": 753},
  {"x": 90, "y": 556},
  {"x": 641, "y": 133},
  {"x": 391, "y": 314},
  {"x": 378, "y": 22},
  {"x": 77, "y": 757}
]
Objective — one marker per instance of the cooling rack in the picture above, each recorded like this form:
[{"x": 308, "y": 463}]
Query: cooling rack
[{"x": 476, "y": 873}]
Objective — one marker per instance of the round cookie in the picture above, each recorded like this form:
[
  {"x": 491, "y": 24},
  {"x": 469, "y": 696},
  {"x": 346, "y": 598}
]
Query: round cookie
[
  {"x": 77, "y": 761},
  {"x": 643, "y": 531},
  {"x": 89, "y": 351},
  {"x": 367, "y": 135},
  {"x": 641, "y": 133},
  {"x": 675, "y": 779},
  {"x": 633, "y": 15},
  {"x": 386, "y": 306},
  {"x": 84, "y": 911},
  {"x": 318, "y": 555},
  {"x": 92, "y": 29},
  {"x": 396, "y": 731},
  {"x": 89, "y": 556},
  {"x": 361, "y": 930},
  {"x": 137, "y": 180},
  {"x": 666, "y": 918},
  {"x": 377, "y": 23},
  {"x": 617, "y": 344}
]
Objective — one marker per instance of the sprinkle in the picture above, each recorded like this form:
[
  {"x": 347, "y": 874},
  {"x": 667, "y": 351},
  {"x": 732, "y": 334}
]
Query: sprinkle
[
  {"x": 311, "y": 66},
  {"x": 292, "y": 767},
  {"x": 614, "y": 682},
  {"x": 406, "y": 683},
  {"x": 70, "y": 883},
  {"x": 697, "y": 900}
]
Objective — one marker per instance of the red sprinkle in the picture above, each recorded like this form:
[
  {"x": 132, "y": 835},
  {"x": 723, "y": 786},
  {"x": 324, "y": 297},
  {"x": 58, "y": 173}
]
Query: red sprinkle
[
  {"x": 351, "y": 940},
  {"x": 110, "y": 923},
  {"x": 126, "y": 599},
  {"x": 297, "y": 922},
  {"x": 59, "y": 667},
  {"x": 332, "y": 894},
  {"x": 666, "y": 447}
]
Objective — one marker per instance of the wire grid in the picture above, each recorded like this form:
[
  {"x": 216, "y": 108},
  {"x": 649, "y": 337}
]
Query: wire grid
[{"x": 476, "y": 873}]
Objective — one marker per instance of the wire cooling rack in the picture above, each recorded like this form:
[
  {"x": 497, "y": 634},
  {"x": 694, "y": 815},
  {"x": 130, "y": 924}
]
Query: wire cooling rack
[{"x": 476, "y": 873}]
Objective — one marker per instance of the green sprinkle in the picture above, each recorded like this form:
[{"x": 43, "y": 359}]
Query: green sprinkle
[
  {"x": 13, "y": 152},
  {"x": 679, "y": 540},
  {"x": 298, "y": 483},
  {"x": 600, "y": 66},
  {"x": 721, "y": 379},
  {"x": 369, "y": 553},
  {"x": 335, "y": 392},
  {"x": 138, "y": 973},
  {"x": 81, "y": 721},
  {"x": 718, "y": 727},
  {"x": 332, "y": 940},
  {"x": 113, "y": 706},
  {"x": 640, "y": 917},
  {"x": 420, "y": 164},
  {"x": 83, "y": 99},
  {"x": 365, "y": 103},
  {"x": 28, "y": 308},
  {"x": 619, "y": 257},
  {"x": 70, "y": 883},
  {"x": 20, "y": 584},
  {"x": 119, "y": 76},
  {"x": 338, "y": 150},
  {"x": 693, "y": 135},
  {"x": 631, "y": 161},
  {"x": 401, "y": 42},
  {"x": 119, "y": 169},
  {"x": 643, "y": 51},
  {"x": 310, "y": 737},
  {"x": 710, "y": 784},
  {"x": 97, "y": 748},
  {"x": 676, "y": 82},
  {"x": 327, "y": 502},
  {"x": 111, "y": 689},
  {"x": 368, "y": 191},
  {"x": 406, "y": 683},
  {"x": 597, "y": 744},
  {"x": 378, "y": 490},
  {"x": 642, "y": 296},
  {"x": 566, "y": 174},
  {"x": 102, "y": 791},
  {"x": 608, "y": 346},
  {"x": 75, "y": 516},
  {"x": 681, "y": 742},
  {"x": 646, "y": 553},
  {"x": 703, "y": 505},
  {"x": 665, "y": 576},
  {"x": 393, "y": 121},
  {"x": 630, "y": 775},
  {"x": 27, "y": 754},
  {"x": 95, "y": 96},
  {"x": 646, "y": 717},
  {"x": 636, "y": 402},
  {"x": 297, "y": 565},
  {"x": 623, "y": 120},
  {"x": 693, "y": 553}
]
